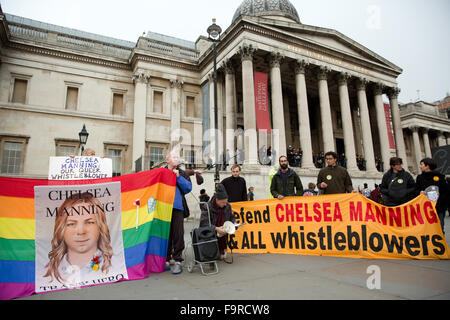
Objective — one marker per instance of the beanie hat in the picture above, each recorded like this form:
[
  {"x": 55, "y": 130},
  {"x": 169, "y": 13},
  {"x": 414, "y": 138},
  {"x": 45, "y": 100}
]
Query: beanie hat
[{"x": 221, "y": 193}]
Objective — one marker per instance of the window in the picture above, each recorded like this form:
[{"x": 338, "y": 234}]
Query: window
[
  {"x": 11, "y": 157},
  {"x": 156, "y": 156},
  {"x": 190, "y": 107},
  {"x": 158, "y": 102},
  {"x": 20, "y": 91},
  {"x": 12, "y": 153},
  {"x": 72, "y": 98},
  {"x": 118, "y": 104},
  {"x": 66, "y": 147},
  {"x": 116, "y": 156}
]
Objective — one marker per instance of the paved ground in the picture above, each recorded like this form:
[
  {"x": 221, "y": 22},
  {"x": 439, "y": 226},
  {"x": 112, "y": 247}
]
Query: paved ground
[{"x": 283, "y": 277}]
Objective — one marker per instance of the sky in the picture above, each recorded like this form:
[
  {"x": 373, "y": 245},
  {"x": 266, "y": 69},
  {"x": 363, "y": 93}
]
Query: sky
[{"x": 412, "y": 34}]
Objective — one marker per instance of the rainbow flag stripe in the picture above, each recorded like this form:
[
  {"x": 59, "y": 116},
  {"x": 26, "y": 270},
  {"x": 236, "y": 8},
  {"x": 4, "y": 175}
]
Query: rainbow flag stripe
[{"x": 145, "y": 250}]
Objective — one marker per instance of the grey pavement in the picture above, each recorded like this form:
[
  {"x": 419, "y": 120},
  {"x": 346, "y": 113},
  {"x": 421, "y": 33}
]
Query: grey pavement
[{"x": 282, "y": 277}]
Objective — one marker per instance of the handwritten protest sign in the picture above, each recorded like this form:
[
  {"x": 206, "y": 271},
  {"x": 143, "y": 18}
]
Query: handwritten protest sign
[{"x": 79, "y": 168}]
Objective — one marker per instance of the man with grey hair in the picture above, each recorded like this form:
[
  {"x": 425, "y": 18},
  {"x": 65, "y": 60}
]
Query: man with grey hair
[{"x": 175, "y": 245}]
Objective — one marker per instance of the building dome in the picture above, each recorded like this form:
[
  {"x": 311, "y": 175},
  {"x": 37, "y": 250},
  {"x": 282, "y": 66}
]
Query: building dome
[{"x": 254, "y": 8}]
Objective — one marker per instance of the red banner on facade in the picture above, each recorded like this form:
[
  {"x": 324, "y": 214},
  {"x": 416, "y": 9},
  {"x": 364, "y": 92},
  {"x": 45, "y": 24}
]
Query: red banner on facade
[
  {"x": 387, "y": 112},
  {"x": 262, "y": 102}
]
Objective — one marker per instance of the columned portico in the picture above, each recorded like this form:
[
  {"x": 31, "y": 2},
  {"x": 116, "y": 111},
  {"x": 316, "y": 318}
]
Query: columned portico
[
  {"x": 347, "y": 123},
  {"x": 325, "y": 109}
]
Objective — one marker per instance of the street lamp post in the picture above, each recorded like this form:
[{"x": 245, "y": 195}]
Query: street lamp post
[
  {"x": 83, "y": 134},
  {"x": 214, "y": 32}
]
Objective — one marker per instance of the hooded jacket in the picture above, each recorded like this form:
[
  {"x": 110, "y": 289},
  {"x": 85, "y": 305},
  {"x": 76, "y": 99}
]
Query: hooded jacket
[{"x": 397, "y": 188}]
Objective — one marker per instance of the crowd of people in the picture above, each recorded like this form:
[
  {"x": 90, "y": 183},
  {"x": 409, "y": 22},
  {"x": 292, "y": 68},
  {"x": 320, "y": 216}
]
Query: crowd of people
[{"x": 396, "y": 188}]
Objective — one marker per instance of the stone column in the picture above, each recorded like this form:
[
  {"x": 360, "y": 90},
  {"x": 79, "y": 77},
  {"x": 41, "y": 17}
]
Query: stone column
[
  {"x": 248, "y": 89},
  {"x": 141, "y": 80},
  {"x": 426, "y": 143},
  {"x": 277, "y": 104},
  {"x": 365, "y": 126},
  {"x": 398, "y": 130},
  {"x": 303, "y": 114},
  {"x": 230, "y": 120},
  {"x": 382, "y": 126},
  {"x": 175, "y": 118},
  {"x": 347, "y": 124},
  {"x": 325, "y": 110},
  {"x": 416, "y": 141}
]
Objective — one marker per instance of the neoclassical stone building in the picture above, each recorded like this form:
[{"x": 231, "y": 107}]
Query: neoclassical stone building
[
  {"x": 140, "y": 99},
  {"x": 425, "y": 126}
]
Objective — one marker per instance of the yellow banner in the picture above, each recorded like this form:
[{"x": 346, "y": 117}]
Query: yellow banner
[{"x": 344, "y": 225}]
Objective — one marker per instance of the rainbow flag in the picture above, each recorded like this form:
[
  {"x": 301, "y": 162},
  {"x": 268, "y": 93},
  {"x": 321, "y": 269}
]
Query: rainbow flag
[{"x": 145, "y": 249}]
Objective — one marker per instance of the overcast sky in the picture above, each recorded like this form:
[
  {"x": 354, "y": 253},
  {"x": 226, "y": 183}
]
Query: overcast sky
[{"x": 413, "y": 34}]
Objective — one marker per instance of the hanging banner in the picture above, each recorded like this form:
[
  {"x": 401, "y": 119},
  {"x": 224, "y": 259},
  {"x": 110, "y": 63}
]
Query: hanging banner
[
  {"x": 387, "y": 112},
  {"x": 262, "y": 102},
  {"x": 79, "y": 168},
  {"x": 129, "y": 232},
  {"x": 345, "y": 225}
]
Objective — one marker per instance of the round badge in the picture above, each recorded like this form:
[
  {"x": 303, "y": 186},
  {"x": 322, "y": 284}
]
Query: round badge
[
  {"x": 436, "y": 178},
  {"x": 400, "y": 181},
  {"x": 329, "y": 177}
]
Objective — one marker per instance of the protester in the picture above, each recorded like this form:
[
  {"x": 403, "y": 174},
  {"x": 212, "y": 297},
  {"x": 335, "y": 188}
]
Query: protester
[
  {"x": 430, "y": 177},
  {"x": 334, "y": 179},
  {"x": 219, "y": 212},
  {"x": 397, "y": 186},
  {"x": 176, "y": 235},
  {"x": 311, "y": 191},
  {"x": 286, "y": 182},
  {"x": 251, "y": 194},
  {"x": 235, "y": 185}
]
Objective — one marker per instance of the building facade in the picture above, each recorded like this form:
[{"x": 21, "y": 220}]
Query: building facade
[{"x": 139, "y": 100}]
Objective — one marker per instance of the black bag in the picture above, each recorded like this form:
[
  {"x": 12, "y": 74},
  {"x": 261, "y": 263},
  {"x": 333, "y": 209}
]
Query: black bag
[{"x": 204, "y": 241}]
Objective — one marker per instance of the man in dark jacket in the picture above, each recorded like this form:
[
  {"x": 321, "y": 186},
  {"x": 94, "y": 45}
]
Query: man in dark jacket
[
  {"x": 286, "y": 182},
  {"x": 429, "y": 177},
  {"x": 235, "y": 186},
  {"x": 334, "y": 179},
  {"x": 397, "y": 186},
  {"x": 219, "y": 212}
]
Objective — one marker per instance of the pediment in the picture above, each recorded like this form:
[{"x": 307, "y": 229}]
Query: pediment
[{"x": 327, "y": 39}]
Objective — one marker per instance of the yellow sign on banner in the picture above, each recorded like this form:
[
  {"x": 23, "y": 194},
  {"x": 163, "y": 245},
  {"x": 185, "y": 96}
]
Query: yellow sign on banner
[{"x": 344, "y": 225}]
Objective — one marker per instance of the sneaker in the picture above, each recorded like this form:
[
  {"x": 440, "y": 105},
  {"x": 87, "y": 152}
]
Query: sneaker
[
  {"x": 177, "y": 268},
  {"x": 167, "y": 268}
]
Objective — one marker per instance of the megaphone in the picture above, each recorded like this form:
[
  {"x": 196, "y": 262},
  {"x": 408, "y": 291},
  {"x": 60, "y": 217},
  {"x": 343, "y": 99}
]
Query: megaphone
[{"x": 230, "y": 228}]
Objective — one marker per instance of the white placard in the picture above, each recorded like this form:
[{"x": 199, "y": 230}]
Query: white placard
[{"x": 79, "y": 168}]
